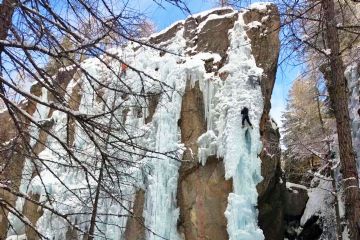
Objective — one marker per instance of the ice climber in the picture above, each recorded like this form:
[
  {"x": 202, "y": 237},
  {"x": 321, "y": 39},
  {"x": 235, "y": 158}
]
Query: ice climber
[
  {"x": 245, "y": 116},
  {"x": 123, "y": 69}
]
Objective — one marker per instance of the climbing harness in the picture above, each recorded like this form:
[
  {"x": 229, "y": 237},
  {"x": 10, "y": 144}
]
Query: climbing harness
[{"x": 124, "y": 66}]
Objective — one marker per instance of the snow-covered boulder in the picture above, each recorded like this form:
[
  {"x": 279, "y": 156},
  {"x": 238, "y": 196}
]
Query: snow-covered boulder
[{"x": 296, "y": 197}]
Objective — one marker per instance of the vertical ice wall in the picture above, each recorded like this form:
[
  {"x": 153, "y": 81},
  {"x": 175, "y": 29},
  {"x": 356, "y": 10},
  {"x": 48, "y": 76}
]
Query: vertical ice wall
[
  {"x": 239, "y": 147},
  {"x": 160, "y": 211},
  {"x": 223, "y": 100}
]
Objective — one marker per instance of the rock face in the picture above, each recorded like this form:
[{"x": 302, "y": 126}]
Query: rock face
[
  {"x": 271, "y": 189},
  {"x": 312, "y": 229},
  {"x": 202, "y": 199},
  {"x": 295, "y": 201},
  {"x": 135, "y": 225},
  {"x": 203, "y": 190}
]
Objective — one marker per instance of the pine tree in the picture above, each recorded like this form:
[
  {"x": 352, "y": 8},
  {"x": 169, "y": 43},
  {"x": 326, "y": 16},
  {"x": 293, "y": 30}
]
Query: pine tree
[{"x": 303, "y": 134}]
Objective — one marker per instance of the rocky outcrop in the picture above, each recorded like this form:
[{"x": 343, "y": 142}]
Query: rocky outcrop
[
  {"x": 135, "y": 228},
  {"x": 271, "y": 189},
  {"x": 202, "y": 191},
  {"x": 202, "y": 199},
  {"x": 295, "y": 200},
  {"x": 312, "y": 229},
  {"x": 197, "y": 219},
  {"x": 197, "y": 182},
  {"x": 265, "y": 48},
  {"x": 33, "y": 212},
  {"x": 217, "y": 31}
]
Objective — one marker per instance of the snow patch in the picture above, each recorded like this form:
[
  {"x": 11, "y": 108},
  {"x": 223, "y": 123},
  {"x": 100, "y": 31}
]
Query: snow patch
[
  {"x": 291, "y": 186},
  {"x": 254, "y": 24},
  {"x": 261, "y": 6}
]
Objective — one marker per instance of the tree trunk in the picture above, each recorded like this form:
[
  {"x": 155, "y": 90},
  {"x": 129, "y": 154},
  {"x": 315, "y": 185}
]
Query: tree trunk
[
  {"x": 336, "y": 201},
  {"x": 339, "y": 98},
  {"x": 330, "y": 161},
  {"x": 91, "y": 231},
  {"x": 6, "y": 11}
]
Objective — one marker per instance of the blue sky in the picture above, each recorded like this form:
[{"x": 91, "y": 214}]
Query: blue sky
[{"x": 165, "y": 17}]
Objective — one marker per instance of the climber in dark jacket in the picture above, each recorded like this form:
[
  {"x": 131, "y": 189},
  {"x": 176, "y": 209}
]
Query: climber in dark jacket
[{"x": 245, "y": 116}]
